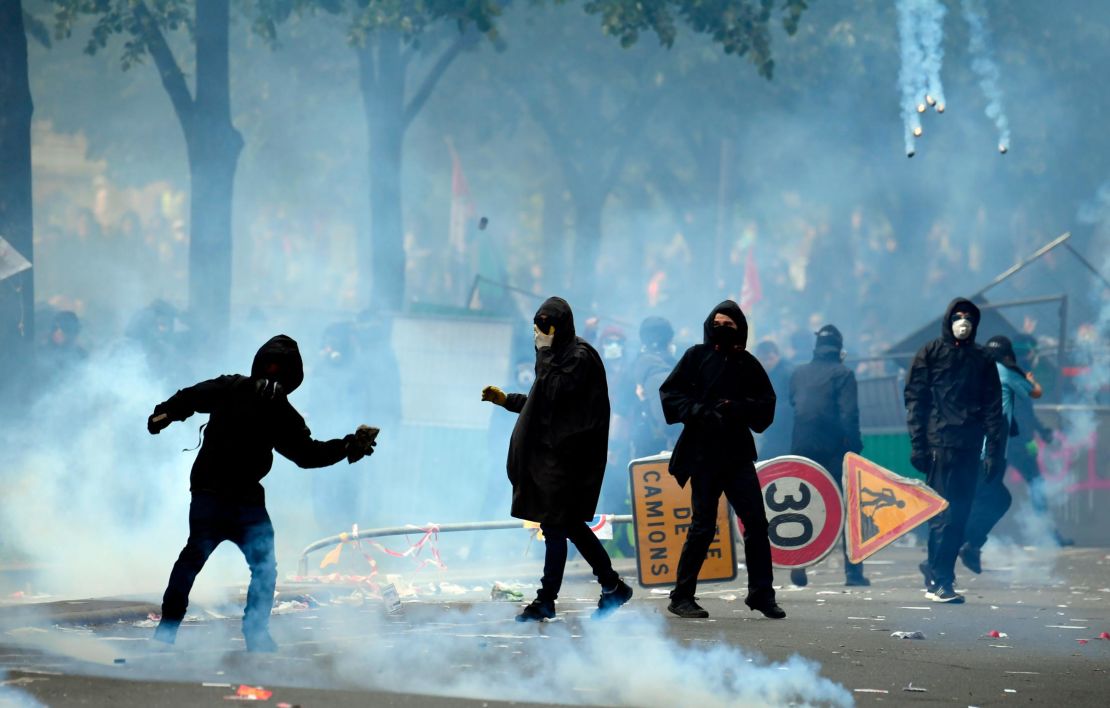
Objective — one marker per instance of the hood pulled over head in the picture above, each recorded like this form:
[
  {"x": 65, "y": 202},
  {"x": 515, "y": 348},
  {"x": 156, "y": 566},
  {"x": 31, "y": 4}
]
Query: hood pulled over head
[
  {"x": 555, "y": 311},
  {"x": 733, "y": 312},
  {"x": 960, "y": 304},
  {"x": 279, "y": 360}
]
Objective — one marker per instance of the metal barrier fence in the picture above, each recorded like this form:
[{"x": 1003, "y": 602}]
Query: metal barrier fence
[{"x": 410, "y": 529}]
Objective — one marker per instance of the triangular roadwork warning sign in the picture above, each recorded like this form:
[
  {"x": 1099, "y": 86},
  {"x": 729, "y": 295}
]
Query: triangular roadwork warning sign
[{"x": 881, "y": 506}]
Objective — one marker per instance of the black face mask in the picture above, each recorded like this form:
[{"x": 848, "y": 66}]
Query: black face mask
[{"x": 725, "y": 336}]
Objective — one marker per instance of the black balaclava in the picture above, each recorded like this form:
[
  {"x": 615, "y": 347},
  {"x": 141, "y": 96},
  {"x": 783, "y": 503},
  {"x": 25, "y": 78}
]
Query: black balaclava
[
  {"x": 713, "y": 335},
  {"x": 656, "y": 333},
  {"x": 279, "y": 360}
]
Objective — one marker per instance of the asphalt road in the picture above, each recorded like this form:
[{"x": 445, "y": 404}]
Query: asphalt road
[{"x": 835, "y": 647}]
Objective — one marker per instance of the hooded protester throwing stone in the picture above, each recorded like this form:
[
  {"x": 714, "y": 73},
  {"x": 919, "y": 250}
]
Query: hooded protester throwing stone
[
  {"x": 824, "y": 397},
  {"x": 720, "y": 393},
  {"x": 953, "y": 403},
  {"x": 557, "y": 456},
  {"x": 249, "y": 417}
]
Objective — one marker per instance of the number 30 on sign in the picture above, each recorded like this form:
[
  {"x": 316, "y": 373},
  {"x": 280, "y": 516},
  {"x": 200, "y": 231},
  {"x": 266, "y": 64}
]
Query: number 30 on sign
[{"x": 805, "y": 510}]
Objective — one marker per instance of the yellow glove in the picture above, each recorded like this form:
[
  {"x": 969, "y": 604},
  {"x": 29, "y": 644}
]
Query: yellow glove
[{"x": 494, "y": 395}]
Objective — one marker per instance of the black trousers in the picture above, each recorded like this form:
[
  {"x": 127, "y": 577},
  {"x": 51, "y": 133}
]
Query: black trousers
[
  {"x": 555, "y": 557},
  {"x": 741, "y": 488},
  {"x": 992, "y": 501},
  {"x": 212, "y": 520},
  {"x": 953, "y": 474}
]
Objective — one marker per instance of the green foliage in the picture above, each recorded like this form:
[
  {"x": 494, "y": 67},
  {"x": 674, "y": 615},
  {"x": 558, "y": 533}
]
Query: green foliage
[
  {"x": 135, "y": 20},
  {"x": 740, "y": 27}
]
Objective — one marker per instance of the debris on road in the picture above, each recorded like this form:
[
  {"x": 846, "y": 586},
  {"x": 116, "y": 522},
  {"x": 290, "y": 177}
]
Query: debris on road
[
  {"x": 870, "y": 690},
  {"x": 250, "y": 693},
  {"x": 501, "y": 591},
  {"x": 915, "y": 689},
  {"x": 908, "y": 635},
  {"x": 995, "y": 634}
]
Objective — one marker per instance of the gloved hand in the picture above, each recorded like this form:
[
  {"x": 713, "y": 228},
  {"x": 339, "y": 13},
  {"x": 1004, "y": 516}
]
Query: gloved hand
[
  {"x": 494, "y": 395},
  {"x": 729, "y": 410},
  {"x": 157, "y": 422},
  {"x": 993, "y": 469},
  {"x": 361, "y": 443},
  {"x": 707, "y": 415},
  {"x": 920, "y": 461},
  {"x": 543, "y": 340},
  {"x": 268, "y": 389}
]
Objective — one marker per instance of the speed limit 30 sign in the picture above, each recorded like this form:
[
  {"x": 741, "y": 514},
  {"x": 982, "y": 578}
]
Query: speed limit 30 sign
[{"x": 805, "y": 510}]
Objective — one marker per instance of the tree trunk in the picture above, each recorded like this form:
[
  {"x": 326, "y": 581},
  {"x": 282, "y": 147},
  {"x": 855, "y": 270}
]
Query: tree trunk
[
  {"x": 214, "y": 146},
  {"x": 17, "y": 294},
  {"x": 381, "y": 257}
]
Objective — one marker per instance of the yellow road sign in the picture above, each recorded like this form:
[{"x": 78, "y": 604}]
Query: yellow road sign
[
  {"x": 661, "y": 515},
  {"x": 881, "y": 506}
]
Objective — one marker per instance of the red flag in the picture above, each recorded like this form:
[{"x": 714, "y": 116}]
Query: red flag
[{"x": 751, "y": 291}]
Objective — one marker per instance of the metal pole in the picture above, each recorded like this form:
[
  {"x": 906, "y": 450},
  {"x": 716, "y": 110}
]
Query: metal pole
[
  {"x": 410, "y": 529},
  {"x": 1020, "y": 265},
  {"x": 1087, "y": 263}
]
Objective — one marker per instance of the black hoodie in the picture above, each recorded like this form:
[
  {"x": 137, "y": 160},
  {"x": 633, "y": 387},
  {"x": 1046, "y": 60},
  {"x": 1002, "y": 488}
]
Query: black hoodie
[
  {"x": 558, "y": 448},
  {"x": 717, "y": 436},
  {"x": 953, "y": 395},
  {"x": 245, "y": 426}
]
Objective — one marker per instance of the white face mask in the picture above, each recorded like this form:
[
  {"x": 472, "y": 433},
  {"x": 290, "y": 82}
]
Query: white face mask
[
  {"x": 612, "y": 350},
  {"x": 961, "y": 329},
  {"x": 543, "y": 341}
]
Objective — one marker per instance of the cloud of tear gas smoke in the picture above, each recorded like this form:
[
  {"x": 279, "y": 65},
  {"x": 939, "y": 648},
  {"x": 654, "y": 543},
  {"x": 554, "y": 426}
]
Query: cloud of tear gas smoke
[
  {"x": 930, "y": 31},
  {"x": 91, "y": 498},
  {"x": 986, "y": 68},
  {"x": 1080, "y": 423},
  {"x": 911, "y": 77},
  {"x": 12, "y": 697},
  {"x": 628, "y": 660}
]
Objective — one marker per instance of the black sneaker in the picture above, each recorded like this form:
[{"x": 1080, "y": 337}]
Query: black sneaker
[
  {"x": 769, "y": 608},
  {"x": 261, "y": 643},
  {"x": 537, "y": 611},
  {"x": 610, "y": 600},
  {"x": 971, "y": 559},
  {"x": 857, "y": 580},
  {"x": 798, "y": 577},
  {"x": 687, "y": 609},
  {"x": 945, "y": 593},
  {"x": 930, "y": 579}
]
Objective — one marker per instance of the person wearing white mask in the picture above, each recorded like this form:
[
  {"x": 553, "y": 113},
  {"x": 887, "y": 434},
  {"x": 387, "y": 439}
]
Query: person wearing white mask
[
  {"x": 557, "y": 456},
  {"x": 953, "y": 404}
]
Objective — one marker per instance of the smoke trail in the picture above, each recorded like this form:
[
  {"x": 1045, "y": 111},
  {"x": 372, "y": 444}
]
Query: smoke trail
[
  {"x": 984, "y": 65},
  {"x": 930, "y": 29},
  {"x": 911, "y": 76}
]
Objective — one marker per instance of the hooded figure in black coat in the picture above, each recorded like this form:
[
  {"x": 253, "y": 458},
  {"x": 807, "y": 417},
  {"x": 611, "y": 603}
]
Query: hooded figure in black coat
[
  {"x": 249, "y": 417},
  {"x": 720, "y": 393},
  {"x": 824, "y": 396},
  {"x": 557, "y": 455},
  {"x": 954, "y": 413}
]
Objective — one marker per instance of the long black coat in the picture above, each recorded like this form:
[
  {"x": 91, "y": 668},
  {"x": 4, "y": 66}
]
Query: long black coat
[
  {"x": 824, "y": 396},
  {"x": 244, "y": 427},
  {"x": 953, "y": 395},
  {"x": 558, "y": 448},
  {"x": 706, "y": 375}
]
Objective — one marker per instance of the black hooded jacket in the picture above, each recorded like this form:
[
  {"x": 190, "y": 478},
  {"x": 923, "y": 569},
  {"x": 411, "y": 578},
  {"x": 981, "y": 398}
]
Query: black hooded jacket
[
  {"x": 716, "y": 436},
  {"x": 245, "y": 426},
  {"x": 557, "y": 453},
  {"x": 953, "y": 395},
  {"x": 824, "y": 396}
]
